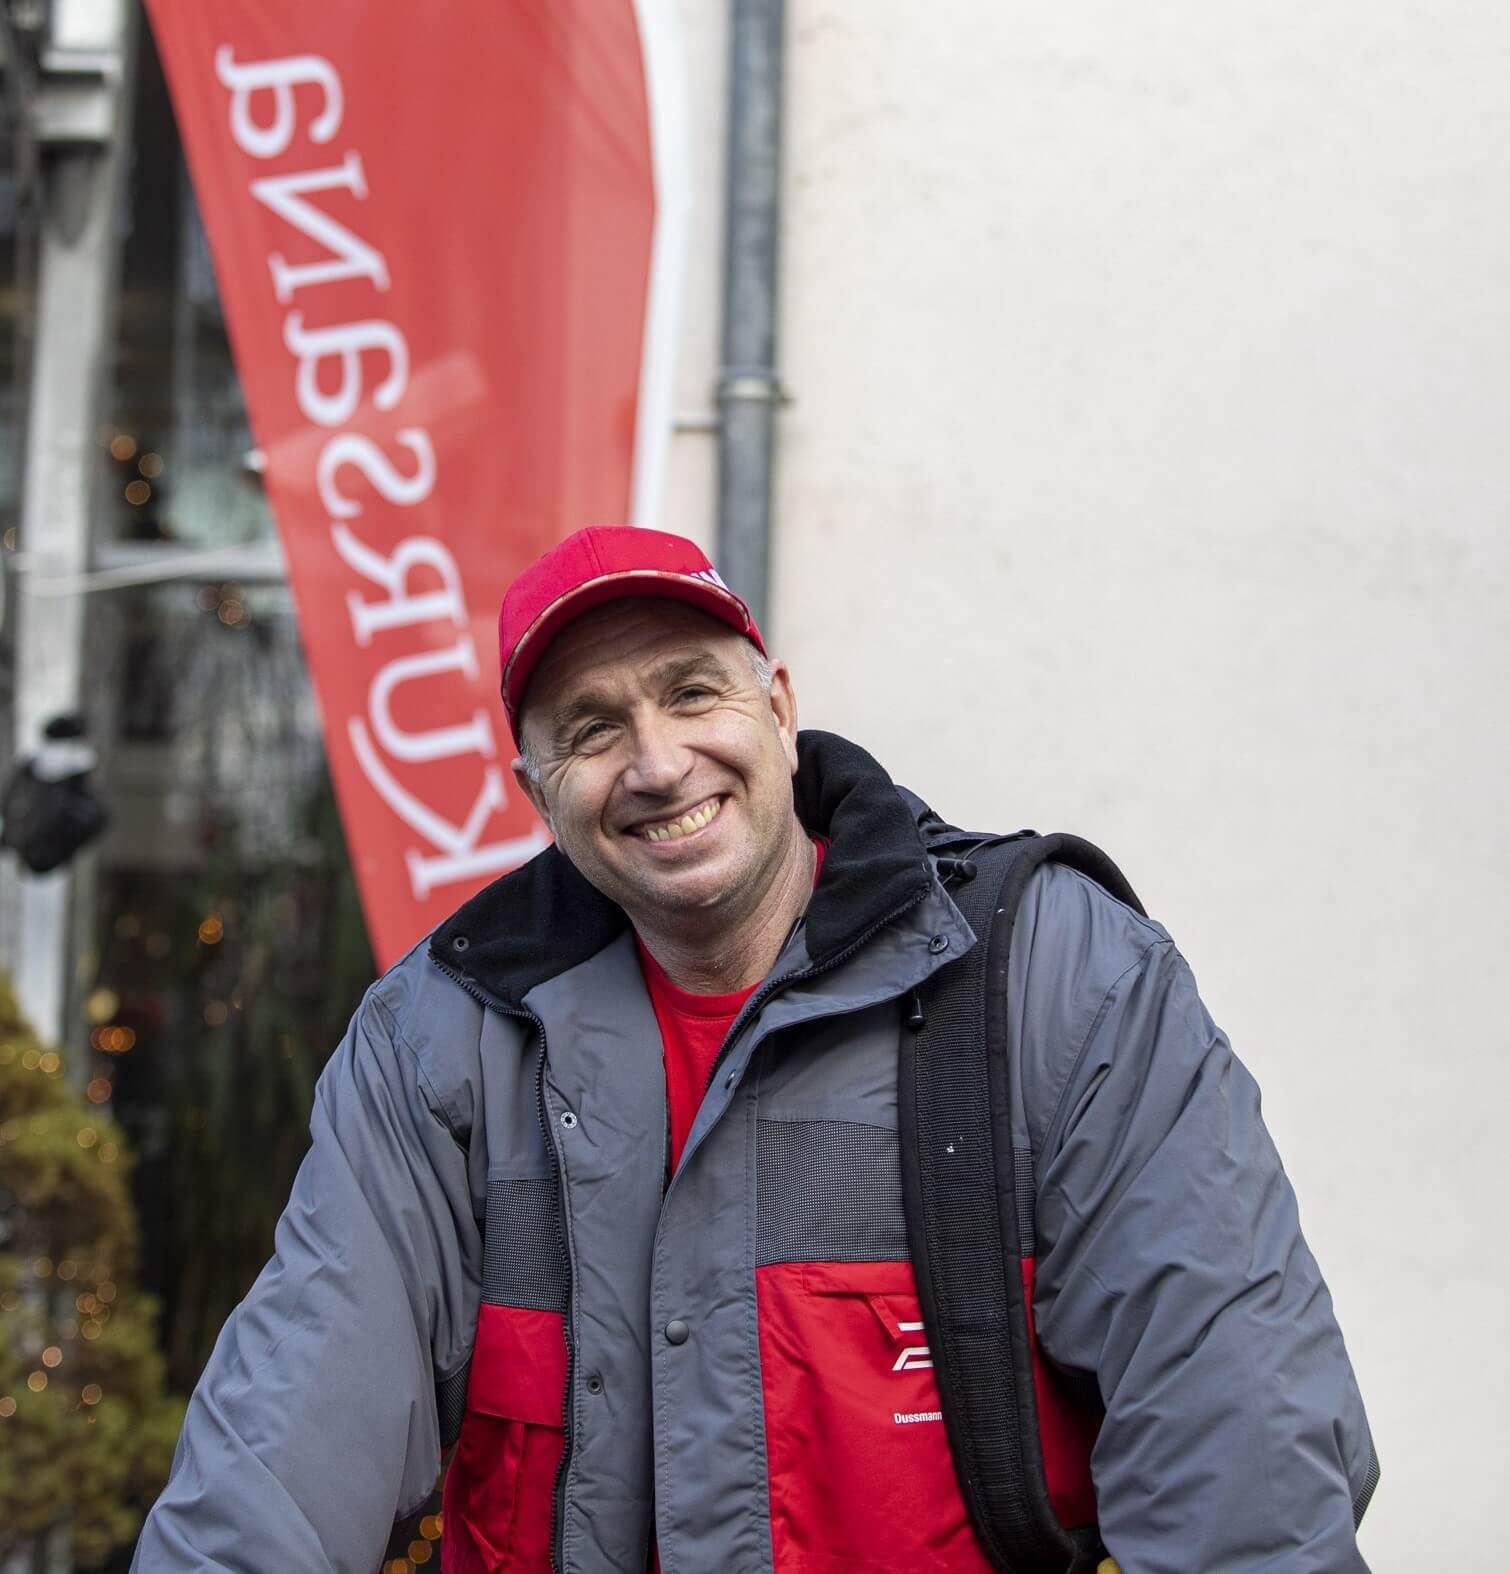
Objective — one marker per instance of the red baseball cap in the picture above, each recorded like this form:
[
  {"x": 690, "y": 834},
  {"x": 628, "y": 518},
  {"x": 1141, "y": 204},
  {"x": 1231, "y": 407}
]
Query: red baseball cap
[{"x": 598, "y": 564}]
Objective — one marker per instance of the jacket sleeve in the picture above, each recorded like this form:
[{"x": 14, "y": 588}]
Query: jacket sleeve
[
  {"x": 1172, "y": 1265},
  {"x": 315, "y": 1423}
]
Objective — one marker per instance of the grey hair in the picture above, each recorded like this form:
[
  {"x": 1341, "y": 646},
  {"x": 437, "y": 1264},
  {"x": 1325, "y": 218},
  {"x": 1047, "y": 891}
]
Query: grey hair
[
  {"x": 761, "y": 668},
  {"x": 759, "y": 665}
]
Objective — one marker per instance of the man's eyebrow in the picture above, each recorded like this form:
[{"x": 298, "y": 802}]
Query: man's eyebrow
[{"x": 703, "y": 665}]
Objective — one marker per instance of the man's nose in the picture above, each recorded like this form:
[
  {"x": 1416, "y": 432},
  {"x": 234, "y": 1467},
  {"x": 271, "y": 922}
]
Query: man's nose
[{"x": 658, "y": 760}]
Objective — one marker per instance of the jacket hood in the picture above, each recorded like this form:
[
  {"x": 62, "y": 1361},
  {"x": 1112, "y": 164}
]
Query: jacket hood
[{"x": 544, "y": 917}]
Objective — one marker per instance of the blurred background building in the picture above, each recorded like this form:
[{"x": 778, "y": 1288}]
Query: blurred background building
[
  {"x": 198, "y": 963},
  {"x": 1142, "y": 474}
]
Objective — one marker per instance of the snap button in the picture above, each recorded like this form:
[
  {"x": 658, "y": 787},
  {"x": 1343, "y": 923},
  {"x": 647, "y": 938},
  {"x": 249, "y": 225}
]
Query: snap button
[
  {"x": 938, "y": 943},
  {"x": 460, "y": 943},
  {"x": 595, "y": 1384},
  {"x": 677, "y": 1332},
  {"x": 568, "y": 1120}
]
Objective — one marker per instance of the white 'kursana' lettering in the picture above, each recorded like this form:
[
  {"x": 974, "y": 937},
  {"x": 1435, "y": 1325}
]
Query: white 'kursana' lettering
[
  {"x": 439, "y": 743},
  {"x": 264, "y": 119},
  {"x": 461, "y": 858},
  {"x": 343, "y": 345},
  {"x": 350, "y": 257},
  {"x": 359, "y": 451},
  {"x": 278, "y": 79},
  {"x": 403, "y": 606}
]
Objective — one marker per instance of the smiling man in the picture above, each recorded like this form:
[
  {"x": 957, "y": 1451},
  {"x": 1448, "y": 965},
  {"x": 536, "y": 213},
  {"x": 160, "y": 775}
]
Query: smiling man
[
  {"x": 659, "y": 747},
  {"x": 605, "y": 1201}
]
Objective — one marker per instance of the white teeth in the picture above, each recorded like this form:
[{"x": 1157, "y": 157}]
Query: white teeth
[{"x": 675, "y": 829}]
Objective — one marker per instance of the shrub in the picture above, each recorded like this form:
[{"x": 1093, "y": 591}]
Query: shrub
[{"x": 86, "y": 1429}]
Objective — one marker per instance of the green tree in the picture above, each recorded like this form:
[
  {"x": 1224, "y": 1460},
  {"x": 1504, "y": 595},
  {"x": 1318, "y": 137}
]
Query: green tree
[{"x": 86, "y": 1428}]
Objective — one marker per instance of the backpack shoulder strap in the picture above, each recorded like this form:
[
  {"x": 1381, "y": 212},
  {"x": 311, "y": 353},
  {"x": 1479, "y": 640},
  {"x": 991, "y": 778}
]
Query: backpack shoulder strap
[{"x": 960, "y": 1192}]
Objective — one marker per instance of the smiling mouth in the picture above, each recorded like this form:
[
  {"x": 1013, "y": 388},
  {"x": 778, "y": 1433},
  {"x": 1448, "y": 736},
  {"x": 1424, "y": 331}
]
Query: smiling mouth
[{"x": 683, "y": 825}]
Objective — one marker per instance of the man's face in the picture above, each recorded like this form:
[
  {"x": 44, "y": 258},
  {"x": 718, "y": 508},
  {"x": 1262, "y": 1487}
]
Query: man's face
[{"x": 665, "y": 772}]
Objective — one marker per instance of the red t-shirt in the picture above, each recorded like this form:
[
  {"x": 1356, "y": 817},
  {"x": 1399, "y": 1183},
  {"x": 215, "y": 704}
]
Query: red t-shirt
[{"x": 693, "y": 1028}]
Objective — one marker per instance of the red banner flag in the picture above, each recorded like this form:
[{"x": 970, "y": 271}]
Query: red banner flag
[{"x": 446, "y": 239}]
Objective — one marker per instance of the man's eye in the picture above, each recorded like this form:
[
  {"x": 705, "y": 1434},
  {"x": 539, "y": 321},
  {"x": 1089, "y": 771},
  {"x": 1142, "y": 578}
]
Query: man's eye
[
  {"x": 696, "y": 691},
  {"x": 593, "y": 733}
]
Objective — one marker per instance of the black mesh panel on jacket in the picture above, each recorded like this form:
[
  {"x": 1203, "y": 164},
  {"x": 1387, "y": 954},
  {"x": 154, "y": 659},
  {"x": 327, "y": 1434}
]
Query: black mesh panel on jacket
[
  {"x": 524, "y": 1263},
  {"x": 828, "y": 1191}
]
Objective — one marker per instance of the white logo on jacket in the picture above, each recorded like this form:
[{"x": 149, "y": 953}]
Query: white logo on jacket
[{"x": 916, "y": 1356}]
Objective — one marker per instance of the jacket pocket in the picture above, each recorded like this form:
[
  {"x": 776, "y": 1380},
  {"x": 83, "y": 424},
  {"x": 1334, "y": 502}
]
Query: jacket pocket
[
  {"x": 859, "y": 1466},
  {"x": 500, "y": 1487}
]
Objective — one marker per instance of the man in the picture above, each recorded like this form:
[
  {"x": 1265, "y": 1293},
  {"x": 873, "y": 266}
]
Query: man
[{"x": 604, "y": 1186}]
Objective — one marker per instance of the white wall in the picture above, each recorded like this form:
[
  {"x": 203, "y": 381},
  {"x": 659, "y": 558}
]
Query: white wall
[{"x": 1147, "y": 477}]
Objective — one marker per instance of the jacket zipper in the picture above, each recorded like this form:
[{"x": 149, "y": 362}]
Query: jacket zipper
[
  {"x": 813, "y": 970},
  {"x": 758, "y": 999},
  {"x": 558, "y": 1488}
]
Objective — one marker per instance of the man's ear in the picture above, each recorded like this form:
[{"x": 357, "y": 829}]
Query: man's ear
[
  {"x": 531, "y": 790},
  {"x": 784, "y": 709}
]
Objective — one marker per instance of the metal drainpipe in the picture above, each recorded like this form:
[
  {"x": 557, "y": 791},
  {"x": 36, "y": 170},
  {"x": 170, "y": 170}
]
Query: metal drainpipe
[{"x": 748, "y": 387}]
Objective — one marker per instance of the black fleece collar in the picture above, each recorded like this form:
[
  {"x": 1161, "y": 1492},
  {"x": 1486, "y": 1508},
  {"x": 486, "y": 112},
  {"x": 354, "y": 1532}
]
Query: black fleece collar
[{"x": 544, "y": 918}]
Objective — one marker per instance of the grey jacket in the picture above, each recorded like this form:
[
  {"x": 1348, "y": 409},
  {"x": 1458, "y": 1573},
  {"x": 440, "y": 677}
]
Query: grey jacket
[{"x": 490, "y": 1136}]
